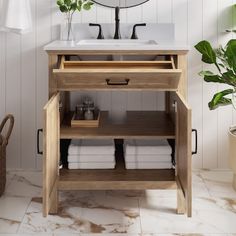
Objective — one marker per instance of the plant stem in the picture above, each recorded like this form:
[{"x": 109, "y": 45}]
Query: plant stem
[
  {"x": 218, "y": 68},
  {"x": 69, "y": 22}
]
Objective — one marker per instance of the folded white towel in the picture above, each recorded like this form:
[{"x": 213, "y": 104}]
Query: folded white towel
[
  {"x": 148, "y": 165},
  {"x": 84, "y": 165},
  {"x": 148, "y": 158},
  {"x": 91, "y": 158},
  {"x": 91, "y": 147},
  {"x": 150, "y": 147}
]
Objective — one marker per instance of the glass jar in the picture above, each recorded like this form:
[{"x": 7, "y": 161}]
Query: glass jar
[
  {"x": 89, "y": 114},
  {"x": 79, "y": 110},
  {"x": 67, "y": 29}
]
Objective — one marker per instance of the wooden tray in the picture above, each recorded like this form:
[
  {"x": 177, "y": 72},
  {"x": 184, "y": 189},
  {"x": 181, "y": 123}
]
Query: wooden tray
[{"x": 77, "y": 122}]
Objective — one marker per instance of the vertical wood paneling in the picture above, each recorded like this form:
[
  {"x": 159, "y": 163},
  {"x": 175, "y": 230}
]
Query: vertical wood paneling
[
  {"x": 104, "y": 99},
  {"x": 13, "y": 96},
  {"x": 134, "y": 99},
  {"x": 224, "y": 113},
  {"x": 195, "y": 83},
  {"x": 104, "y": 15},
  {"x": 210, "y": 118},
  {"x": 149, "y": 99},
  {"x": 43, "y": 36},
  {"x": 150, "y": 11},
  {"x": 164, "y": 11},
  {"x": 2, "y": 75},
  {"x": 2, "y": 70},
  {"x": 28, "y": 90},
  {"x": 24, "y": 90}
]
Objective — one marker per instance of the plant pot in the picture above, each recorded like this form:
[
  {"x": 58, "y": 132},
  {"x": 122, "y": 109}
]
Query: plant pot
[{"x": 232, "y": 152}]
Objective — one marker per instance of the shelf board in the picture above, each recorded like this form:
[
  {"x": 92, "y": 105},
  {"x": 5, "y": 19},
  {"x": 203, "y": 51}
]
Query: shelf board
[
  {"x": 136, "y": 125},
  {"x": 117, "y": 179}
]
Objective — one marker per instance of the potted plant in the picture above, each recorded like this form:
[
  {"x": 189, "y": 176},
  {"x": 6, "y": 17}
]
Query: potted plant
[
  {"x": 69, "y": 7},
  {"x": 224, "y": 59}
]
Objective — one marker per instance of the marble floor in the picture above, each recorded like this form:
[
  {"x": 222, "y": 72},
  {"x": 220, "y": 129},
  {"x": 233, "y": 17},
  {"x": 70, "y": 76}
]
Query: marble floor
[{"x": 119, "y": 212}]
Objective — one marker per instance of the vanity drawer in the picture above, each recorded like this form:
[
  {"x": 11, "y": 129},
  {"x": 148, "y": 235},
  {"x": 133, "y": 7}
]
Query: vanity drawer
[{"x": 153, "y": 75}]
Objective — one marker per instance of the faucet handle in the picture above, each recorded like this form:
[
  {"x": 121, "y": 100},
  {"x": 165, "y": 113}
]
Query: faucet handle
[
  {"x": 100, "y": 34},
  {"x": 134, "y": 34}
]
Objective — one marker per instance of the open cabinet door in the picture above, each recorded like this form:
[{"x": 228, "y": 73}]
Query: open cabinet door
[
  {"x": 51, "y": 137},
  {"x": 183, "y": 121}
]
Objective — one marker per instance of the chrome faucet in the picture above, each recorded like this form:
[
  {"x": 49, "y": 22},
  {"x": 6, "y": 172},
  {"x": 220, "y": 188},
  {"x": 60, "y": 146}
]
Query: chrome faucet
[{"x": 117, "y": 34}]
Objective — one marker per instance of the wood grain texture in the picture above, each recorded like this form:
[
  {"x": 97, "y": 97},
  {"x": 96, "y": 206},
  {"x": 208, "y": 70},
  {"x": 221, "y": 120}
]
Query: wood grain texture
[
  {"x": 51, "y": 154},
  {"x": 134, "y": 125},
  {"x": 183, "y": 148},
  {"x": 116, "y": 179},
  {"x": 191, "y": 25}
]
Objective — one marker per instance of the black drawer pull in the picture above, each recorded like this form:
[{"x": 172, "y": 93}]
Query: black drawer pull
[
  {"x": 117, "y": 83},
  {"x": 38, "y": 151},
  {"x": 195, "y": 151}
]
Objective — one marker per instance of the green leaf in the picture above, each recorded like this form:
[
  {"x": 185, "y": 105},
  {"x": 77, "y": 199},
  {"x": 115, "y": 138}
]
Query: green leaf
[
  {"x": 87, "y": 6},
  {"x": 229, "y": 77},
  {"x": 208, "y": 54},
  {"x": 231, "y": 54},
  {"x": 60, "y": 2},
  {"x": 219, "y": 99},
  {"x": 73, "y": 6},
  {"x": 63, "y": 8},
  {"x": 213, "y": 78},
  {"x": 206, "y": 72},
  {"x": 68, "y": 2}
]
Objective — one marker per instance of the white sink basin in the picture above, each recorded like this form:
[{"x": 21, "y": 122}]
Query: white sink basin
[{"x": 116, "y": 42}]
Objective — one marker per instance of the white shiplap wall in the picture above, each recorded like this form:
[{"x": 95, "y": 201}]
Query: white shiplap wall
[{"x": 23, "y": 73}]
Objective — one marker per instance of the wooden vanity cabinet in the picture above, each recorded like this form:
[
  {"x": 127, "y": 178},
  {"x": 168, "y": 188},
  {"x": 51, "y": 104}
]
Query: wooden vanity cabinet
[{"x": 173, "y": 123}]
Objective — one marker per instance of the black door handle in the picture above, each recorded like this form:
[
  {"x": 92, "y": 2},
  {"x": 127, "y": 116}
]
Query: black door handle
[
  {"x": 195, "y": 151},
  {"x": 117, "y": 83},
  {"x": 38, "y": 132}
]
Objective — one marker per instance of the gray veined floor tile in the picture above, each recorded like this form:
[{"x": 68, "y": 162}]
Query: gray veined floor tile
[
  {"x": 25, "y": 184},
  {"x": 12, "y": 210},
  {"x": 85, "y": 212},
  {"x": 210, "y": 216}
]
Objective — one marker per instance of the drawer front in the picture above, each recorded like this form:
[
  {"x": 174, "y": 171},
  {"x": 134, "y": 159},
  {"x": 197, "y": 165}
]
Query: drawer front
[{"x": 158, "y": 80}]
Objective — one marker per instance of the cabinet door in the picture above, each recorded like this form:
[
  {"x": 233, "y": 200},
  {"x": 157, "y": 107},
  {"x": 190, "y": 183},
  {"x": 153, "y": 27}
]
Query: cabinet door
[
  {"x": 183, "y": 152},
  {"x": 51, "y": 154}
]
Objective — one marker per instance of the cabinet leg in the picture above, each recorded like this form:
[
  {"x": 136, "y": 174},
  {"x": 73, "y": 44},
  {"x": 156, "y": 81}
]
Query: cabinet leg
[
  {"x": 54, "y": 201},
  {"x": 181, "y": 203},
  {"x": 181, "y": 209}
]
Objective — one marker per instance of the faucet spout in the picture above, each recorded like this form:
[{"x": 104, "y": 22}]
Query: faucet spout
[{"x": 117, "y": 34}]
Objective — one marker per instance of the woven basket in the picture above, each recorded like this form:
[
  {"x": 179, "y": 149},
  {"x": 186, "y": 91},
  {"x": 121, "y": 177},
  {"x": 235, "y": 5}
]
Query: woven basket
[{"x": 3, "y": 144}]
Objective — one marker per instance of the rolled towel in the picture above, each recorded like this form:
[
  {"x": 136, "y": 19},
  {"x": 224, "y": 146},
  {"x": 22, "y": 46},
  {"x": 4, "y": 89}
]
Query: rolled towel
[
  {"x": 148, "y": 165},
  {"x": 91, "y": 158},
  {"x": 148, "y": 158},
  {"x": 86, "y": 165},
  {"x": 144, "y": 147},
  {"x": 91, "y": 147}
]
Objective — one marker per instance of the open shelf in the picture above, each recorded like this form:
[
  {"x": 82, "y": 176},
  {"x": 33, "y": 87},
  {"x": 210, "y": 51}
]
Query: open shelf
[
  {"x": 136, "y": 125},
  {"x": 118, "y": 179}
]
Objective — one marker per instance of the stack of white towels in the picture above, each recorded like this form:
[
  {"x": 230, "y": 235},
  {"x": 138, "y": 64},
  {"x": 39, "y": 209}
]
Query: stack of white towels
[
  {"x": 91, "y": 154},
  {"x": 147, "y": 154}
]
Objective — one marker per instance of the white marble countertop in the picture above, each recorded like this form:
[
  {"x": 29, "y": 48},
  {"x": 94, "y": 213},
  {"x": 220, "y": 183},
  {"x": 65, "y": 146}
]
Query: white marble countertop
[{"x": 161, "y": 46}]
